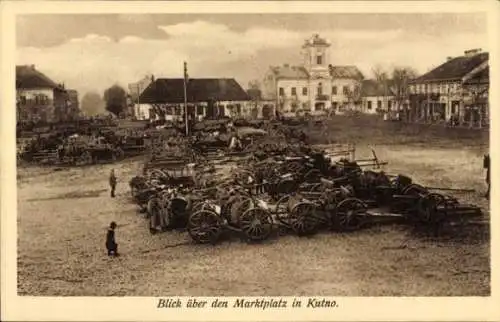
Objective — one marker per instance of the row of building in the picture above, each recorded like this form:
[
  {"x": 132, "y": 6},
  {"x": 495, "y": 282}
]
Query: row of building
[{"x": 457, "y": 90}]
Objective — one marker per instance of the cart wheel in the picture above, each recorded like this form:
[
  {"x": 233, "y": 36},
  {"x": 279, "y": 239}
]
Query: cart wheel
[
  {"x": 347, "y": 214},
  {"x": 427, "y": 208},
  {"x": 303, "y": 218},
  {"x": 256, "y": 224},
  {"x": 281, "y": 210},
  {"x": 204, "y": 226},
  {"x": 86, "y": 158}
]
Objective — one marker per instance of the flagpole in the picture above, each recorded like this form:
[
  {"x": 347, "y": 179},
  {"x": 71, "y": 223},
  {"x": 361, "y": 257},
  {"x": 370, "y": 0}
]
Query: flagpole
[{"x": 185, "y": 99}]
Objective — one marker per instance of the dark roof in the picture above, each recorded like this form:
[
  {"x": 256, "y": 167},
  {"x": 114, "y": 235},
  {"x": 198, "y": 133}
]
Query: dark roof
[
  {"x": 482, "y": 77},
  {"x": 454, "y": 69},
  {"x": 171, "y": 90},
  {"x": 27, "y": 77},
  {"x": 371, "y": 87},
  {"x": 351, "y": 72},
  {"x": 290, "y": 72}
]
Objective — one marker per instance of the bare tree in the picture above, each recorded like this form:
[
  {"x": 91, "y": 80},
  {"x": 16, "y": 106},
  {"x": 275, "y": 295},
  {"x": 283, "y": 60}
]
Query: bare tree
[
  {"x": 254, "y": 84},
  {"x": 255, "y": 94},
  {"x": 401, "y": 76},
  {"x": 353, "y": 95},
  {"x": 382, "y": 79},
  {"x": 92, "y": 104}
]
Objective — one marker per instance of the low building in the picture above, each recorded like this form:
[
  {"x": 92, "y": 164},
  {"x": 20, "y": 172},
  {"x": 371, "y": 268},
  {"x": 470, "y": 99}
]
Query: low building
[
  {"x": 134, "y": 104},
  {"x": 258, "y": 107},
  {"x": 40, "y": 99},
  {"x": 447, "y": 91},
  {"x": 374, "y": 98},
  {"x": 206, "y": 98}
]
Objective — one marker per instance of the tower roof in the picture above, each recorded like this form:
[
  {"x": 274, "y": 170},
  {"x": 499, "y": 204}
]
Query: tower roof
[{"x": 316, "y": 40}]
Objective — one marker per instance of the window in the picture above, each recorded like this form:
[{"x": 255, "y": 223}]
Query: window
[
  {"x": 282, "y": 91},
  {"x": 319, "y": 60},
  {"x": 379, "y": 105},
  {"x": 238, "y": 109},
  {"x": 320, "y": 89},
  {"x": 389, "y": 104},
  {"x": 369, "y": 107},
  {"x": 294, "y": 91},
  {"x": 335, "y": 105},
  {"x": 23, "y": 100},
  {"x": 199, "y": 110},
  {"x": 304, "y": 106},
  {"x": 334, "y": 90},
  {"x": 294, "y": 107},
  {"x": 304, "y": 91},
  {"x": 345, "y": 90}
]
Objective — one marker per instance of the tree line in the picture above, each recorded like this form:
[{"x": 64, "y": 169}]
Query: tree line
[{"x": 113, "y": 100}]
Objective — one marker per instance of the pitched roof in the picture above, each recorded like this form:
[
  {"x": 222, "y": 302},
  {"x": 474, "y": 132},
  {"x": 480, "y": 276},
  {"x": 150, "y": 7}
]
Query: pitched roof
[
  {"x": 171, "y": 90},
  {"x": 454, "y": 69},
  {"x": 290, "y": 72},
  {"x": 345, "y": 72},
  {"x": 481, "y": 77},
  {"x": 27, "y": 77},
  {"x": 371, "y": 87},
  {"x": 316, "y": 40}
]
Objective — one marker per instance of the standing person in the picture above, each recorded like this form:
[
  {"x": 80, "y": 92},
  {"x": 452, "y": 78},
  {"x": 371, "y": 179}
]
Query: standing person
[
  {"x": 112, "y": 182},
  {"x": 111, "y": 244},
  {"x": 486, "y": 165}
]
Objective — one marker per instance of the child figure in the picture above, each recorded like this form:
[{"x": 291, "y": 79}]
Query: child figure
[
  {"x": 112, "y": 182},
  {"x": 111, "y": 244}
]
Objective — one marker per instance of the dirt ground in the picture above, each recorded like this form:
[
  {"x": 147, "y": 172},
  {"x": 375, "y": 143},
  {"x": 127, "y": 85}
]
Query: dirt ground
[{"x": 63, "y": 216}]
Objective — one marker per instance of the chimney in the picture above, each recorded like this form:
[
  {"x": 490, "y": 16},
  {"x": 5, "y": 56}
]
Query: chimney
[
  {"x": 286, "y": 65},
  {"x": 32, "y": 67},
  {"x": 449, "y": 58},
  {"x": 472, "y": 52},
  {"x": 152, "y": 78}
]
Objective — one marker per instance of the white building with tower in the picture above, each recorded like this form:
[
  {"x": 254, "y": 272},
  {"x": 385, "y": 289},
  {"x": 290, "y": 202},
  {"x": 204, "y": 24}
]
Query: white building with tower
[{"x": 316, "y": 86}]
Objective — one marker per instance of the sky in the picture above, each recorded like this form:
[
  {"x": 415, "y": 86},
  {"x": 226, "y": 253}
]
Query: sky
[{"x": 93, "y": 52}]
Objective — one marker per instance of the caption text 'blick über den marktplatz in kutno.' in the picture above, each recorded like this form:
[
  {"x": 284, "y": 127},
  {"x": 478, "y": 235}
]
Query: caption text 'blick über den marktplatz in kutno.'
[{"x": 247, "y": 304}]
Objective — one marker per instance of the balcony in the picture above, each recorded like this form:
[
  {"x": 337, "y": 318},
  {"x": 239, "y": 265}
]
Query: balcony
[{"x": 322, "y": 97}]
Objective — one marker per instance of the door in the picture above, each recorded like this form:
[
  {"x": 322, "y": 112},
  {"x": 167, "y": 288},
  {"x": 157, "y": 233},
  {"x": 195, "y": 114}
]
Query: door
[
  {"x": 211, "y": 110},
  {"x": 222, "y": 111}
]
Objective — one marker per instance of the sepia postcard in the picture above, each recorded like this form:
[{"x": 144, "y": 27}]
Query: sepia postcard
[{"x": 251, "y": 160}]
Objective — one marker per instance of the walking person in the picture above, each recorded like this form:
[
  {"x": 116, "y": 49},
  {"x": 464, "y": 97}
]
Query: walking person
[
  {"x": 486, "y": 165},
  {"x": 111, "y": 244},
  {"x": 112, "y": 182}
]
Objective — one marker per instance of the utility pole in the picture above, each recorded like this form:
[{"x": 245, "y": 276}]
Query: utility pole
[{"x": 185, "y": 98}]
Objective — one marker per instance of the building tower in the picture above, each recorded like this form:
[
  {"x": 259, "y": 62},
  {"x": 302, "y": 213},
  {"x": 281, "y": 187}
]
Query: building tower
[{"x": 316, "y": 57}]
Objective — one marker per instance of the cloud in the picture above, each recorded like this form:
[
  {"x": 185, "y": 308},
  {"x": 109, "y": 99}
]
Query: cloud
[{"x": 95, "y": 62}]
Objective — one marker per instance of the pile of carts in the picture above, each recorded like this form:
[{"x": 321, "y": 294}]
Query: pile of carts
[{"x": 302, "y": 191}]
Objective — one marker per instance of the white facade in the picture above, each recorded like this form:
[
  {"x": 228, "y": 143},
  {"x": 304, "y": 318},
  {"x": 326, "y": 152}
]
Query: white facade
[
  {"x": 33, "y": 93},
  {"x": 174, "y": 112},
  {"x": 311, "y": 87},
  {"x": 377, "y": 104}
]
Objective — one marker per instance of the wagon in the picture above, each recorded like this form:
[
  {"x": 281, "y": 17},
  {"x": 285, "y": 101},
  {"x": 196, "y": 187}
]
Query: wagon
[{"x": 239, "y": 213}]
